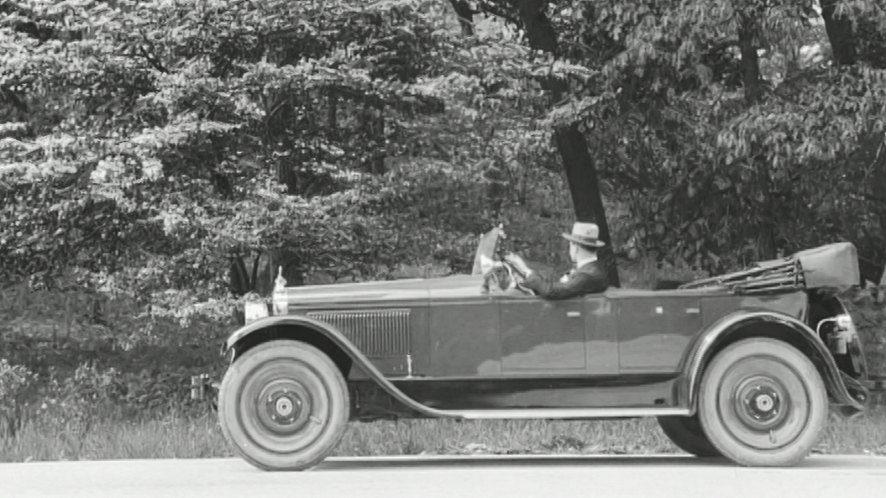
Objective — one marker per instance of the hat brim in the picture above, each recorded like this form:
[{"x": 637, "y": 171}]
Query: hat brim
[{"x": 583, "y": 242}]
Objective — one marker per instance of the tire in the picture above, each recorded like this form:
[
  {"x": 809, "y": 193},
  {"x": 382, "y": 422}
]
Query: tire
[
  {"x": 686, "y": 433},
  {"x": 283, "y": 405},
  {"x": 762, "y": 403}
]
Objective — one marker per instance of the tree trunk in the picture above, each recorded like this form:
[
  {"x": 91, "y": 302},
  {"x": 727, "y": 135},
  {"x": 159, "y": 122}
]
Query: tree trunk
[
  {"x": 238, "y": 277},
  {"x": 750, "y": 61},
  {"x": 581, "y": 171},
  {"x": 871, "y": 42},
  {"x": 839, "y": 30},
  {"x": 465, "y": 16},
  {"x": 861, "y": 41}
]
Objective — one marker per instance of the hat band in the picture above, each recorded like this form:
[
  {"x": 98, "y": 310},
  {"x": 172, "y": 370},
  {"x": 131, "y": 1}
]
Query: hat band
[{"x": 578, "y": 239}]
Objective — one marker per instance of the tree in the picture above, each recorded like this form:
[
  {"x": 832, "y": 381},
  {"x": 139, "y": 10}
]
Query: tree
[
  {"x": 856, "y": 31},
  {"x": 578, "y": 164},
  {"x": 709, "y": 119},
  {"x": 179, "y": 152},
  {"x": 171, "y": 140}
]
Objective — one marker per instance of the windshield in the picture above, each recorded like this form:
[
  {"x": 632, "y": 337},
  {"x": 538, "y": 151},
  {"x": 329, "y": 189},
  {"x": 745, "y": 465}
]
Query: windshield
[{"x": 486, "y": 249}]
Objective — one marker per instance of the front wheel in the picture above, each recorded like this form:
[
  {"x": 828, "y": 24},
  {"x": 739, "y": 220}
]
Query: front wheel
[
  {"x": 283, "y": 405},
  {"x": 762, "y": 403}
]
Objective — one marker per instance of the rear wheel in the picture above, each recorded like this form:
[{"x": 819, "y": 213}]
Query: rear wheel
[
  {"x": 686, "y": 433},
  {"x": 762, "y": 403},
  {"x": 283, "y": 405}
]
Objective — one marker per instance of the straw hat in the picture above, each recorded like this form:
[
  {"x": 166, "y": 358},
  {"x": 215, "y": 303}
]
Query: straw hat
[{"x": 585, "y": 234}]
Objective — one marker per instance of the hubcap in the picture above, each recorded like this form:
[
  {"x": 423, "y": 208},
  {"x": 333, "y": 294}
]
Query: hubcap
[
  {"x": 763, "y": 403},
  {"x": 760, "y": 401},
  {"x": 286, "y": 405}
]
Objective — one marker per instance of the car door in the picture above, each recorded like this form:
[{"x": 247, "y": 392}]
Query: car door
[
  {"x": 655, "y": 329},
  {"x": 542, "y": 336}
]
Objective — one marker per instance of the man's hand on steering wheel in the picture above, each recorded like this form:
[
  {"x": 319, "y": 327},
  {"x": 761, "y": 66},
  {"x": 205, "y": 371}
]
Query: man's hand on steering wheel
[{"x": 518, "y": 264}]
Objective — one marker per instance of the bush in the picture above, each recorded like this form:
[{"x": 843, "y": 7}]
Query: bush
[
  {"x": 16, "y": 384},
  {"x": 868, "y": 310}
]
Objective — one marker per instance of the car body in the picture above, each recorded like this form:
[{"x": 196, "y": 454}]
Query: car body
[{"x": 459, "y": 347}]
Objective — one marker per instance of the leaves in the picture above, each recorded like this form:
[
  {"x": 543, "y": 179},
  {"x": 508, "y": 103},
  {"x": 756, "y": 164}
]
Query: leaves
[
  {"x": 675, "y": 138},
  {"x": 167, "y": 140},
  {"x": 151, "y": 149}
]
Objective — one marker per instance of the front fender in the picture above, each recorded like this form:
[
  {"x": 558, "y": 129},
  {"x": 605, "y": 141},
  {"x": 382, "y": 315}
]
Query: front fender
[
  {"x": 342, "y": 342},
  {"x": 710, "y": 341}
]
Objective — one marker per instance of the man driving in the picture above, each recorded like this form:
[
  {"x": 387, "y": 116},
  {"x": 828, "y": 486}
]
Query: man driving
[{"x": 587, "y": 276}]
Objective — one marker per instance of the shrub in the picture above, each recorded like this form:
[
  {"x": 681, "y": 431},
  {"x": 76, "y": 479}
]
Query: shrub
[{"x": 16, "y": 383}]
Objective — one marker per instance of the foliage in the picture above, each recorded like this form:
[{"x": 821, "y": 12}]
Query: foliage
[
  {"x": 16, "y": 382},
  {"x": 720, "y": 171},
  {"x": 174, "y": 154},
  {"x": 160, "y": 148}
]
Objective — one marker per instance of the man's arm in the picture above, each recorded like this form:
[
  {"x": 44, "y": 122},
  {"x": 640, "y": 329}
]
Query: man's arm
[{"x": 578, "y": 284}]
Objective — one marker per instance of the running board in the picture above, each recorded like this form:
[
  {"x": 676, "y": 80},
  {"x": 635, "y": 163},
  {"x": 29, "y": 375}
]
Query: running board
[{"x": 562, "y": 413}]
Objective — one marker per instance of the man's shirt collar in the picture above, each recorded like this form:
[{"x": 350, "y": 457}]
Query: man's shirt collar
[{"x": 586, "y": 261}]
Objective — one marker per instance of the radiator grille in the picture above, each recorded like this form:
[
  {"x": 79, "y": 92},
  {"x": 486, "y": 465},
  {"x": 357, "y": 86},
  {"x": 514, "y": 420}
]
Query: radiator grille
[{"x": 375, "y": 333}]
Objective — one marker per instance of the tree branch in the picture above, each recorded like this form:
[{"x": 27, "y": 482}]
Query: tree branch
[
  {"x": 153, "y": 60},
  {"x": 502, "y": 9},
  {"x": 721, "y": 45},
  {"x": 465, "y": 16}
]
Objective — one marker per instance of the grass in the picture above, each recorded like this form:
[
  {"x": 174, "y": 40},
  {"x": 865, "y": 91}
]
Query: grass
[{"x": 180, "y": 436}]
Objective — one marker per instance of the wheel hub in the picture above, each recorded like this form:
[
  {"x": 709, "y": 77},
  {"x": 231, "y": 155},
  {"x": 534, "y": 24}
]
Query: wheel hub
[
  {"x": 284, "y": 406},
  {"x": 765, "y": 402},
  {"x": 761, "y": 403}
]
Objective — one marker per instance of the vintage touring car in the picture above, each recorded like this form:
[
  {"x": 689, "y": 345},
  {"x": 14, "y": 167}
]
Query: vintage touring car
[{"x": 744, "y": 366}]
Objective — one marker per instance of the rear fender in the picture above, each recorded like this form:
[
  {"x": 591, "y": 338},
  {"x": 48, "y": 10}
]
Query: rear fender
[{"x": 745, "y": 324}]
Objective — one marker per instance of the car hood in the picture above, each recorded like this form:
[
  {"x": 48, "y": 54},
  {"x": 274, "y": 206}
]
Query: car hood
[{"x": 414, "y": 291}]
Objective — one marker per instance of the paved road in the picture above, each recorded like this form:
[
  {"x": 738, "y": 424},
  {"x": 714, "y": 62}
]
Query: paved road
[{"x": 555, "y": 476}]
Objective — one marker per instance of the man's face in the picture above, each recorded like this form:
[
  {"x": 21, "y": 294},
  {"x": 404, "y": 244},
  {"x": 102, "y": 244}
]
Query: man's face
[{"x": 573, "y": 252}]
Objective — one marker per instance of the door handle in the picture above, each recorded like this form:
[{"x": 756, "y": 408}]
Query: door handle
[
  {"x": 692, "y": 311},
  {"x": 573, "y": 314}
]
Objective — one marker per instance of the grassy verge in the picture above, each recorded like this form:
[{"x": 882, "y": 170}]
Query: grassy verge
[{"x": 180, "y": 436}]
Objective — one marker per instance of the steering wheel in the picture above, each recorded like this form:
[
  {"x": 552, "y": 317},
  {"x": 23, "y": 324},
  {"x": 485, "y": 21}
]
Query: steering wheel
[{"x": 514, "y": 280}]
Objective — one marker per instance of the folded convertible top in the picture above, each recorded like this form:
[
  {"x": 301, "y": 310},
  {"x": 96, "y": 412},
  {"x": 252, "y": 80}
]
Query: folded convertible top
[{"x": 832, "y": 266}]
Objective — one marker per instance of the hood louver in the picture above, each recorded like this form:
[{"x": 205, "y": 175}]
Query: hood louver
[{"x": 374, "y": 332}]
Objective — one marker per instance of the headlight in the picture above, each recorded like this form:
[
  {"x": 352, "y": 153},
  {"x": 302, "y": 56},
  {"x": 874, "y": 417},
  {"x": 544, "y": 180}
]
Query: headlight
[{"x": 255, "y": 311}]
